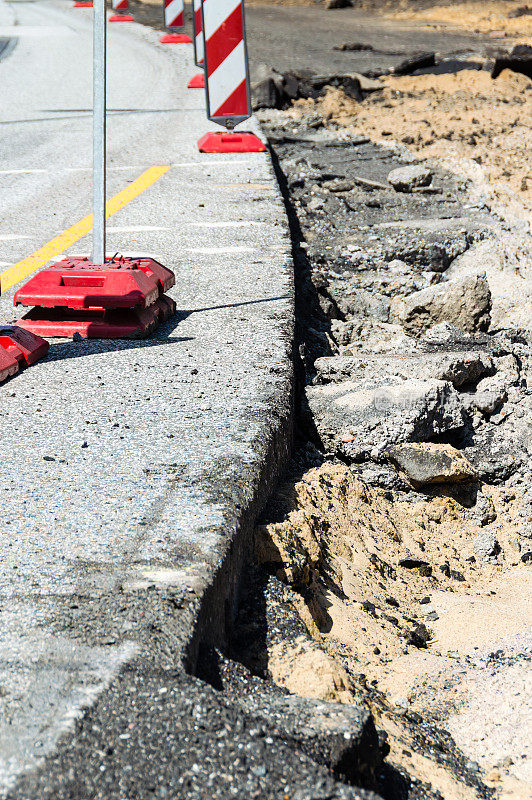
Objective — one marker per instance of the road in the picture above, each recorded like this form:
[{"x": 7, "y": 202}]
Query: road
[{"x": 130, "y": 471}]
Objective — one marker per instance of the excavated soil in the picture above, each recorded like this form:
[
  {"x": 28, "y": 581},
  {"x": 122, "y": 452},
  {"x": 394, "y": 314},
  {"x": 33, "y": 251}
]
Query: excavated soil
[
  {"x": 402, "y": 606},
  {"x": 466, "y": 119},
  {"x": 509, "y": 18}
]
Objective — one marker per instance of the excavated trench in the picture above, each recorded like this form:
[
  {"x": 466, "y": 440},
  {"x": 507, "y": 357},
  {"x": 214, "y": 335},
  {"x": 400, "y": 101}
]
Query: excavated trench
[{"x": 390, "y": 583}]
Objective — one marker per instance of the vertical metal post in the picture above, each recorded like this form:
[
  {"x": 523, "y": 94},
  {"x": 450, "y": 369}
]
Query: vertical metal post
[{"x": 98, "y": 132}]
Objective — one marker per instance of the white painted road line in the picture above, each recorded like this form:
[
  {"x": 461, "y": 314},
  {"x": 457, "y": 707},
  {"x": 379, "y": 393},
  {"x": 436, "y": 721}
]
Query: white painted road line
[
  {"x": 215, "y": 251},
  {"x": 12, "y": 237},
  {"x": 241, "y": 224},
  {"x": 136, "y": 228}
]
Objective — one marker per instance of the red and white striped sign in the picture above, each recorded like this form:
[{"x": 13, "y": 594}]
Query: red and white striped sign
[
  {"x": 173, "y": 14},
  {"x": 226, "y": 62},
  {"x": 120, "y": 5},
  {"x": 197, "y": 26}
]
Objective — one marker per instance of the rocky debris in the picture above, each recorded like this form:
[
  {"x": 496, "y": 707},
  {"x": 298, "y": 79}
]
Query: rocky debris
[
  {"x": 487, "y": 402},
  {"x": 418, "y": 636},
  {"x": 310, "y": 673},
  {"x": 465, "y": 303},
  {"x": 267, "y": 88},
  {"x": 519, "y": 60},
  {"x": 522, "y": 11},
  {"x": 342, "y": 737},
  {"x": 459, "y": 368},
  {"x": 486, "y": 546},
  {"x": 451, "y": 401},
  {"x": 426, "y": 463},
  {"x": 338, "y": 3},
  {"x": 356, "y": 47},
  {"x": 406, "y": 179},
  {"x": 359, "y": 423},
  {"x": 272, "y": 89},
  {"x": 413, "y": 63}
]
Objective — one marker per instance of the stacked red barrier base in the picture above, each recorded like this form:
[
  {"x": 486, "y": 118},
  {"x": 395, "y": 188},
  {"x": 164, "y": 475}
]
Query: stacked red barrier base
[
  {"x": 230, "y": 143},
  {"x": 122, "y": 299},
  {"x": 121, "y": 18},
  {"x": 19, "y": 349},
  {"x": 197, "y": 82},
  {"x": 175, "y": 38}
]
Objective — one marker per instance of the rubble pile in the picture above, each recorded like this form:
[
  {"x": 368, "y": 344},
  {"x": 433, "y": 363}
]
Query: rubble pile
[{"x": 410, "y": 491}]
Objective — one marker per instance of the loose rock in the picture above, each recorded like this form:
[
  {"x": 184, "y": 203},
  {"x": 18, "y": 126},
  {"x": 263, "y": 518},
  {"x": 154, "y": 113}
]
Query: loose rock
[
  {"x": 428, "y": 463},
  {"x": 466, "y": 303},
  {"x": 405, "y": 179},
  {"x": 365, "y": 422}
]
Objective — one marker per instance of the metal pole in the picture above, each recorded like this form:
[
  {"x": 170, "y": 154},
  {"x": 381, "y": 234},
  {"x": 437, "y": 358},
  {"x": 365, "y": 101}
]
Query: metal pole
[{"x": 98, "y": 133}]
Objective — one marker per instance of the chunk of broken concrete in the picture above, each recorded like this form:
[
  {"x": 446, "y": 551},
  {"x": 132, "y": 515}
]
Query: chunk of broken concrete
[
  {"x": 358, "y": 423},
  {"x": 458, "y": 368},
  {"x": 427, "y": 463},
  {"x": 465, "y": 302},
  {"x": 405, "y": 179}
]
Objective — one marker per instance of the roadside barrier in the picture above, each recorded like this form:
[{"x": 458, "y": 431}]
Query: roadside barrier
[
  {"x": 123, "y": 298},
  {"x": 226, "y": 77},
  {"x": 18, "y": 349},
  {"x": 174, "y": 19},
  {"x": 198, "y": 81},
  {"x": 98, "y": 297},
  {"x": 83, "y": 4},
  {"x": 120, "y": 5}
]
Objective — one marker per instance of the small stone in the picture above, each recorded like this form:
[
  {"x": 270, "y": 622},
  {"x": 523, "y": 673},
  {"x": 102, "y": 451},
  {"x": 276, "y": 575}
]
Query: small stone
[
  {"x": 418, "y": 636},
  {"x": 488, "y": 402},
  {"x": 464, "y": 302},
  {"x": 338, "y": 4},
  {"x": 401, "y": 702},
  {"x": 427, "y": 463},
  {"x": 405, "y": 179}
]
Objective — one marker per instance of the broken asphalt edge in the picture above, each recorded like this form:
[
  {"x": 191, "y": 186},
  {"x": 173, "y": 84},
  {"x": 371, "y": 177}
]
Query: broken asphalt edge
[{"x": 174, "y": 623}]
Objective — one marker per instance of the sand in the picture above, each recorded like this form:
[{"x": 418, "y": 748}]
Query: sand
[{"x": 464, "y": 117}]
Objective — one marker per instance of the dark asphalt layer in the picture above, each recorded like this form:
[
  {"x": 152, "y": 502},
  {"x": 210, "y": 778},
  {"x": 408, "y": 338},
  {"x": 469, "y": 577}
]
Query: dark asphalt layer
[
  {"x": 304, "y": 37},
  {"x": 294, "y": 37}
]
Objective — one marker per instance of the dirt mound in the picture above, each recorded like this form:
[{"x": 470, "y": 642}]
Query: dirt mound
[
  {"x": 463, "y": 116},
  {"x": 492, "y": 17},
  {"x": 396, "y": 593}
]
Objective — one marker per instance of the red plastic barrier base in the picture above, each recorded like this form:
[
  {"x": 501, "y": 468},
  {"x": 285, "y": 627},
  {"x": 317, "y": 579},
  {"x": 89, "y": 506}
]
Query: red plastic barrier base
[
  {"x": 197, "y": 82},
  {"x": 175, "y": 38},
  {"x": 230, "y": 143},
  {"x": 19, "y": 348},
  {"x": 121, "y": 18},
  {"x": 83, "y": 4},
  {"x": 116, "y": 323},
  {"x": 76, "y": 283}
]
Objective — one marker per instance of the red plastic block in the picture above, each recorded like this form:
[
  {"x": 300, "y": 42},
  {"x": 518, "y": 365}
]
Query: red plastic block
[
  {"x": 197, "y": 82},
  {"x": 19, "y": 348},
  {"x": 76, "y": 283},
  {"x": 175, "y": 38},
  {"x": 230, "y": 143},
  {"x": 119, "y": 323},
  {"x": 23, "y": 345},
  {"x": 83, "y": 4},
  {"x": 8, "y": 364},
  {"x": 121, "y": 18}
]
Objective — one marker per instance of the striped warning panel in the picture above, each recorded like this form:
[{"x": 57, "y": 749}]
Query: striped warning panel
[
  {"x": 226, "y": 62},
  {"x": 120, "y": 5},
  {"x": 197, "y": 25},
  {"x": 174, "y": 14}
]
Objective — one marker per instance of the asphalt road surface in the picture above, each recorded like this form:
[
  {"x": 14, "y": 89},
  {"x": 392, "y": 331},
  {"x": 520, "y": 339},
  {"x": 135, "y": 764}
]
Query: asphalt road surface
[{"x": 129, "y": 469}]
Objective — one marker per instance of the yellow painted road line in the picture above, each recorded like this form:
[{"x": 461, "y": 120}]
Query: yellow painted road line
[{"x": 59, "y": 243}]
